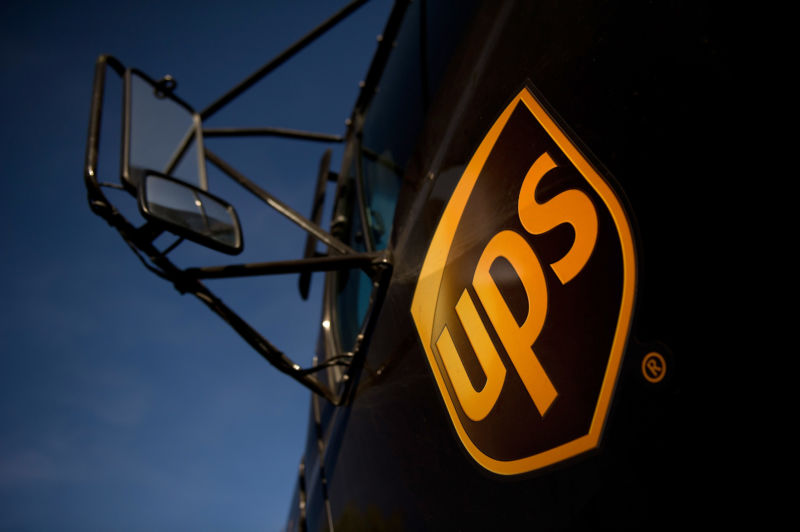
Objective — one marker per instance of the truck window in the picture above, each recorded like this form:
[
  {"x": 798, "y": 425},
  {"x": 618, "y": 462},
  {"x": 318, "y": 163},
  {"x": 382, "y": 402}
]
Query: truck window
[{"x": 391, "y": 126}]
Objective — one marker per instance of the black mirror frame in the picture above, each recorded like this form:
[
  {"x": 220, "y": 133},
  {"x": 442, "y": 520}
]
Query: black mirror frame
[{"x": 181, "y": 231}]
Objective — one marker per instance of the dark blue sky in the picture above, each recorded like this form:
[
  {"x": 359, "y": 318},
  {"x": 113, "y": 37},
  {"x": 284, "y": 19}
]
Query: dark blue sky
[{"x": 124, "y": 405}]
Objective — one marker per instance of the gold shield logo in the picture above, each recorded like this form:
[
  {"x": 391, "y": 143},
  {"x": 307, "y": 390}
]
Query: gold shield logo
[{"x": 524, "y": 300}]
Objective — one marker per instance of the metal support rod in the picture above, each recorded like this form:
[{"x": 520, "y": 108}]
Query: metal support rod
[
  {"x": 280, "y": 59},
  {"x": 272, "y": 354},
  {"x": 180, "y": 151},
  {"x": 271, "y": 132},
  {"x": 279, "y": 206},
  {"x": 95, "y": 116},
  {"x": 381, "y": 57},
  {"x": 363, "y": 210},
  {"x": 365, "y": 261}
]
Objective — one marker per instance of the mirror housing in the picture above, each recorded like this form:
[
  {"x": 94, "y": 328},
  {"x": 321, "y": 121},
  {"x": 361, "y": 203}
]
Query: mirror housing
[{"x": 190, "y": 212}]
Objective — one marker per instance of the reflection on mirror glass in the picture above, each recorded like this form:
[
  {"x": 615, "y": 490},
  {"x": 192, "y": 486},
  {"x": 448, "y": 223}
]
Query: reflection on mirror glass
[
  {"x": 162, "y": 135},
  {"x": 198, "y": 215}
]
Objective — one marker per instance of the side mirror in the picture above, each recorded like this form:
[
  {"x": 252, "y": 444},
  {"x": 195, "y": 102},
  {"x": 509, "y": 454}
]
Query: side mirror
[
  {"x": 161, "y": 156},
  {"x": 161, "y": 133},
  {"x": 190, "y": 212}
]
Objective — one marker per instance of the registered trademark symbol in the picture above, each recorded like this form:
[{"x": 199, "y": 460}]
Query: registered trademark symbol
[{"x": 654, "y": 367}]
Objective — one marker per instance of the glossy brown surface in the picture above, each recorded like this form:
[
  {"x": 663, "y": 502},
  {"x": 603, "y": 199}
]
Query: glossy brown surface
[{"x": 642, "y": 90}]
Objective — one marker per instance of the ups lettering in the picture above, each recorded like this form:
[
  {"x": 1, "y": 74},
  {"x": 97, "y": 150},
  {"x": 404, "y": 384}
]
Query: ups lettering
[{"x": 571, "y": 207}]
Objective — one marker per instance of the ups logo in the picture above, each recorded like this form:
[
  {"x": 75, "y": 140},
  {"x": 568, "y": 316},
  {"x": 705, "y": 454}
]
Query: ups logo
[{"x": 524, "y": 299}]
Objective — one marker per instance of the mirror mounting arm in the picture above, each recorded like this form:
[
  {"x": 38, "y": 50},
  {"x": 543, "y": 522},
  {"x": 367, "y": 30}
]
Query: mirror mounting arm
[
  {"x": 377, "y": 265},
  {"x": 187, "y": 283},
  {"x": 304, "y": 223},
  {"x": 271, "y": 132},
  {"x": 276, "y": 358},
  {"x": 370, "y": 263},
  {"x": 281, "y": 58}
]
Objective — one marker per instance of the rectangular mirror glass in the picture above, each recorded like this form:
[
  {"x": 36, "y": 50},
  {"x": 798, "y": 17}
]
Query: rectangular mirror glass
[
  {"x": 190, "y": 212},
  {"x": 164, "y": 134}
]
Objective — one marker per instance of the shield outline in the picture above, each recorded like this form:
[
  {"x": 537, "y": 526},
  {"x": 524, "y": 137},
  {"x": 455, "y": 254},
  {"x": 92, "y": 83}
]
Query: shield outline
[{"x": 423, "y": 304}]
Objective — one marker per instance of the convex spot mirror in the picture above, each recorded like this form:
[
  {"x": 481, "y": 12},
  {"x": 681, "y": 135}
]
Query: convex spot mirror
[
  {"x": 190, "y": 212},
  {"x": 162, "y": 133}
]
